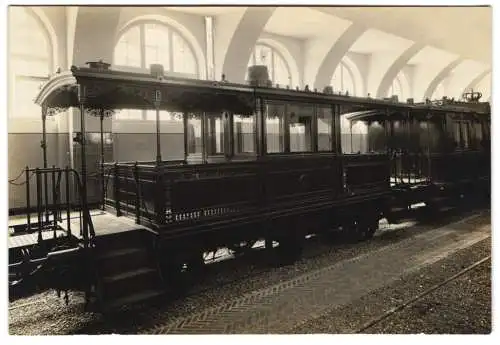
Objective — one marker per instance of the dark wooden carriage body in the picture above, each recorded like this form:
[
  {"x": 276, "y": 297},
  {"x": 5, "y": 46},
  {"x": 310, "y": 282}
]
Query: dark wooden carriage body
[
  {"x": 435, "y": 151},
  {"x": 279, "y": 173},
  {"x": 220, "y": 185},
  {"x": 227, "y": 196}
]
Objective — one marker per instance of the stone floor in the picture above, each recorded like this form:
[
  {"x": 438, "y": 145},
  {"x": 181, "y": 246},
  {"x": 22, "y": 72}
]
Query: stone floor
[{"x": 279, "y": 308}]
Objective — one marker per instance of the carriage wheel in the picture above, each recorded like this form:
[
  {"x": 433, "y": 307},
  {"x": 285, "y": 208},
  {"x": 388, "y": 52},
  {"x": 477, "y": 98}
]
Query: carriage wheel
[
  {"x": 289, "y": 250},
  {"x": 367, "y": 229},
  {"x": 180, "y": 273},
  {"x": 361, "y": 230},
  {"x": 243, "y": 248}
]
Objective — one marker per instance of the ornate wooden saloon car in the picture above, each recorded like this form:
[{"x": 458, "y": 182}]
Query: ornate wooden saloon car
[{"x": 260, "y": 162}]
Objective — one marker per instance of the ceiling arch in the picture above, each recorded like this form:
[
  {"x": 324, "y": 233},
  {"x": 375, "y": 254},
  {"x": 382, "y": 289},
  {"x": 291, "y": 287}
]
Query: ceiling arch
[
  {"x": 440, "y": 77},
  {"x": 243, "y": 39},
  {"x": 335, "y": 55},
  {"x": 396, "y": 67}
]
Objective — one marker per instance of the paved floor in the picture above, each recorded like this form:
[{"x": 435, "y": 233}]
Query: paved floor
[
  {"x": 279, "y": 308},
  {"x": 106, "y": 224}
]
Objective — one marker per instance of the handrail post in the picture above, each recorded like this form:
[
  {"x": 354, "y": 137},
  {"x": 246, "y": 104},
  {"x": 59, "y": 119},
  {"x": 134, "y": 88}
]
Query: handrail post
[
  {"x": 116, "y": 191},
  {"x": 54, "y": 201},
  {"x": 160, "y": 211},
  {"x": 68, "y": 201},
  {"x": 38, "y": 204},
  {"x": 28, "y": 197},
  {"x": 137, "y": 195}
]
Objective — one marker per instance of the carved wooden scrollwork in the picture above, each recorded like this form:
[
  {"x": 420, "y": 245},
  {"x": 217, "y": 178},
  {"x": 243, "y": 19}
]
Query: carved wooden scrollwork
[
  {"x": 97, "y": 112},
  {"x": 52, "y": 111}
]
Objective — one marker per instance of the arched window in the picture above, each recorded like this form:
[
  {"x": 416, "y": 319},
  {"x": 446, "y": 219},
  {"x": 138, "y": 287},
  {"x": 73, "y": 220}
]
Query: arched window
[
  {"x": 397, "y": 88},
  {"x": 153, "y": 43},
  {"x": 343, "y": 80},
  {"x": 439, "y": 91},
  {"x": 278, "y": 68},
  {"x": 30, "y": 61}
]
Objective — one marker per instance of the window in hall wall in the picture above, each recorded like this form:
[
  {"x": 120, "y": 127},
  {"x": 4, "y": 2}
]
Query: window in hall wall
[
  {"x": 30, "y": 62},
  {"x": 128, "y": 49},
  {"x": 149, "y": 43},
  {"x": 438, "y": 92},
  {"x": 278, "y": 68},
  {"x": 343, "y": 80},
  {"x": 396, "y": 88}
]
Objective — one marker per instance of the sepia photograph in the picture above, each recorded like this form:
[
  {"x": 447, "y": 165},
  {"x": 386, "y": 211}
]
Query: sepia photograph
[{"x": 248, "y": 169}]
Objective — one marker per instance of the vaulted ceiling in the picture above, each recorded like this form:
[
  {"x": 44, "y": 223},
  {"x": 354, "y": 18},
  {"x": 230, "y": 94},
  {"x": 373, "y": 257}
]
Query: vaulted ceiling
[{"x": 465, "y": 31}]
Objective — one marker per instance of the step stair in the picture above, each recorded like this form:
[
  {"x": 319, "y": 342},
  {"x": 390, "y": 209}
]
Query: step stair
[{"x": 128, "y": 273}]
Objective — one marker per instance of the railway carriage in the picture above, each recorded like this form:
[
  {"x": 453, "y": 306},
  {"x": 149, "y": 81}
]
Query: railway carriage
[{"x": 260, "y": 163}]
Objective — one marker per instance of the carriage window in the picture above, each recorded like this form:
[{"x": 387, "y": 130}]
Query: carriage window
[
  {"x": 456, "y": 134},
  {"x": 215, "y": 133},
  {"x": 464, "y": 126},
  {"x": 244, "y": 133},
  {"x": 275, "y": 134},
  {"x": 300, "y": 125},
  {"x": 353, "y": 135},
  {"x": 478, "y": 133},
  {"x": 325, "y": 135},
  {"x": 430, "y": 136},
  {"x": 194, "y": 138},
  {"x": 376, "y": 137}
]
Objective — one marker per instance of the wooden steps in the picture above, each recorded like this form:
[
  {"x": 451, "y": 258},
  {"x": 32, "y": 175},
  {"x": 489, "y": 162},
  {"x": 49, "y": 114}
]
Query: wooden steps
[
  {"x": 127, "y": 271},
  {"x": 140, "y": 297}
]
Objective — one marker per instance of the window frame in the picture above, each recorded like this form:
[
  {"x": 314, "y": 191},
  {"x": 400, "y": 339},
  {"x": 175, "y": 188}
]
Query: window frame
[
  {"x": 343, "y": 66},
  {"x": 15, "y": 75},
  {"x": 274, "y": 53},
  {"x": 171, "y": 30}
]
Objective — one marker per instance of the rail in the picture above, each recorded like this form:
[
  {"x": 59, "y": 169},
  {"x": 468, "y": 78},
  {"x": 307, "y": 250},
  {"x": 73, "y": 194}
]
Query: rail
[
  {"x": 51, "y": 203},
  {"x": 419, "y": 296}
]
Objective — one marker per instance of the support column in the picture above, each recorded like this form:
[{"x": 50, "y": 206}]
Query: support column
[
  {"x": 185, "y": 124},
  {"x": 82, "y": 100},
  {"x": 157, "y": 102},
  {"x": 45, "y": 164},
  {"x": 103, "y": 185}
]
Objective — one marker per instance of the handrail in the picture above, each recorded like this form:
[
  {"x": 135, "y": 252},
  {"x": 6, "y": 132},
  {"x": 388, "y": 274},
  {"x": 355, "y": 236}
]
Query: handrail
[
  {"x": 88, "y": 234},
  {"x": 140, "y": 204}
]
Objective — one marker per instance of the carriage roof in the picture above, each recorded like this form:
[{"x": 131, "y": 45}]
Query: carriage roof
[{"x": 107, "y": 89}]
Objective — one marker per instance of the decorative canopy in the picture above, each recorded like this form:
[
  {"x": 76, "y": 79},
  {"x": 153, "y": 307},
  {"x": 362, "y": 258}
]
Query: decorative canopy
[{"x": 99, "y": 88}]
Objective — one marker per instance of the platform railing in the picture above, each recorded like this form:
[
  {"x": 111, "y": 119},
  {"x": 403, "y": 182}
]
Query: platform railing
[
  {"x": 54, "y": 200},
  {"x": 173, "y": 193},
  {"x": 459, "y": 165},
  {"x": 125, "y": 185},
  {"x": 410, "y": 168}
]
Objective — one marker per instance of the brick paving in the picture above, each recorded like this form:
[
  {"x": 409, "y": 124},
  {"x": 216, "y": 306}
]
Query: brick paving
[{"x": 279, "y": 308}]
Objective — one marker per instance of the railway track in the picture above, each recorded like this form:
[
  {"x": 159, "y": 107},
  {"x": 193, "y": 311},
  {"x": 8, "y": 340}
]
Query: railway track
[{"x": 416, "y": 298}]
